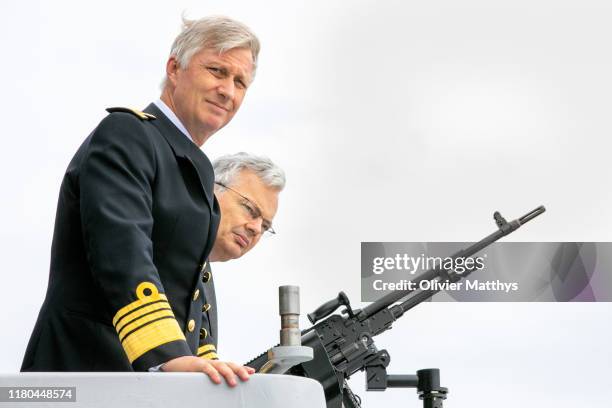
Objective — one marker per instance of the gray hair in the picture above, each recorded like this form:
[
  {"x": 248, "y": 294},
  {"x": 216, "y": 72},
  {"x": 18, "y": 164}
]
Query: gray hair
[
  {"x": 216, "y": 32},
  {"x": 227, "y": 168}
]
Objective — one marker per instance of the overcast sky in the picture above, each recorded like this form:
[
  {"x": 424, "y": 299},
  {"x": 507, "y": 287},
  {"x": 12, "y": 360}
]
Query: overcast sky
[{"x": 394, "y": 120}]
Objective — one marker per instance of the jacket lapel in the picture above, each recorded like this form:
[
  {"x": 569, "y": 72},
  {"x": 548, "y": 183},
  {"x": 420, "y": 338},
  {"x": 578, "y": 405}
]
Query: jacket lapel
[{"x": 185, "y": 149}]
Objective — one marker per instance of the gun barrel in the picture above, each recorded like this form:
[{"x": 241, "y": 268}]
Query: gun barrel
[
  {"x": 504, "y": 229},
  {"x": 531, "y": 215}
]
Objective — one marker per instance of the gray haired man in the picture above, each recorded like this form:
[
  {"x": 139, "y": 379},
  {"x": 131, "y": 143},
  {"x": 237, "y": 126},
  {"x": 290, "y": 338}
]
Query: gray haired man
[
  {"x": 211, "y": 65},
  {"x": 247, "y": 188},
  {"x": 137, "y": 218}
]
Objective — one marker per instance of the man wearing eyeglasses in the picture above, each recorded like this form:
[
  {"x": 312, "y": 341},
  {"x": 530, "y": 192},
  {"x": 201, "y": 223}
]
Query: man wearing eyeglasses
[{"x": 247, "y": 188}]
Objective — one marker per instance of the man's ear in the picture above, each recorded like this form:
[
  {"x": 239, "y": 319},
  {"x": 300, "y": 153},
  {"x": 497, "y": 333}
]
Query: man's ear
[
  {"x": 172, "y": 68},
  {"x": 218, "y": 191}
]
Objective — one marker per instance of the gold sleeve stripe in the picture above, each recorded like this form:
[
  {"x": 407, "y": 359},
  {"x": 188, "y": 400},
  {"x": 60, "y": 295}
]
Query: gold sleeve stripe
[
  {"x": 205, "y": 348},
  {"x": 132, "y": 327},
  {"x": 211, "y": 355},
  {"x": 139, "y": 311},
  {"x": 150, "y": 336},
  {"x": 133, "y": 316},
  {"x": 144, "y": 299},
  {"x": 150, "y": 324}
]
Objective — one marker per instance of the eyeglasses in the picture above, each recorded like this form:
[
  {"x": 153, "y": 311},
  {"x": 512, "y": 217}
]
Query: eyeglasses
[{"x": 252, "y": 210}]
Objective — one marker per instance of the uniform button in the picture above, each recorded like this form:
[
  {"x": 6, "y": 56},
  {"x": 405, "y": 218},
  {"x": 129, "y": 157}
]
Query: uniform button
[
  {"x": 191, "y": 325},
  {"x": 206, "y": 307},
  {"x": 203, "y": 266},
  {"x": 196, "y": 294},
  {"x": 206, "y": 277},
  {"x": 203, "y": 334}
]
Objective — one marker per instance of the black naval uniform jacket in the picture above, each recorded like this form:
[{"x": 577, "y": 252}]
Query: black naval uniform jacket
[{"x": 129, "y": 287}]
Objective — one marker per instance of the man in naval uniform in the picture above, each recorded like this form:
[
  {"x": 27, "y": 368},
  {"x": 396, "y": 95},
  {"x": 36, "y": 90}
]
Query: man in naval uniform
[{"x": 137, "y": 219}]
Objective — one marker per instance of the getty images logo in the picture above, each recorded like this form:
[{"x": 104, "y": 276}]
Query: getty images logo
[{"x": 413, "y": 264}]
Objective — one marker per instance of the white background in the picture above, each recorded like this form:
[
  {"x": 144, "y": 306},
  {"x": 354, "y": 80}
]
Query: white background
[{"x": 395, "y": 121}]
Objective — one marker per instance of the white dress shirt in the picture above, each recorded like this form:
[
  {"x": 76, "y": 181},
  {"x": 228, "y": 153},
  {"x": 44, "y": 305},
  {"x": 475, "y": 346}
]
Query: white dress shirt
[{"x": 173, "y": 118}]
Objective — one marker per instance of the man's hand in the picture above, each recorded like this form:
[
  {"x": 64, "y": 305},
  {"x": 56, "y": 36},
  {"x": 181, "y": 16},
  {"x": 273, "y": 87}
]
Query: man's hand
[{"x": 214, "y": 368}]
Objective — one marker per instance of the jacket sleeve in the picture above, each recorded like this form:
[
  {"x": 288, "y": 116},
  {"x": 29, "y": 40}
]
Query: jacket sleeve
[{"x": 116, "y": 179}]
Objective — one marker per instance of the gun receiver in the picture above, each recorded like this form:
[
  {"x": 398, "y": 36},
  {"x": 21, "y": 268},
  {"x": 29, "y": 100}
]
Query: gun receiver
[{"x": 343, "y": 344}]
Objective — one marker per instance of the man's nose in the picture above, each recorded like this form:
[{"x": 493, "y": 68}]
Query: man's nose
[
  {"x": 254, "y": 227},
  {"x": 227, "y": 88}
]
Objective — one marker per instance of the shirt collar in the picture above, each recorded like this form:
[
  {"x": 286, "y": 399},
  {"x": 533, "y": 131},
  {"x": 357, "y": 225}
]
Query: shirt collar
[{"x": 173, "y": 118}]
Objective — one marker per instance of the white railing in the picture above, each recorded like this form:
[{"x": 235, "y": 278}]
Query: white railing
[{"x": 153, "y": 390}]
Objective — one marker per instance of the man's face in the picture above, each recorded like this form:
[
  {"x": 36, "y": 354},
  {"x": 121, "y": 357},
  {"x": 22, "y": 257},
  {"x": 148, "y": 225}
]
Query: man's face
[
  {"x": 238, "y": 230},
  {"x": 206, "y": 95}
]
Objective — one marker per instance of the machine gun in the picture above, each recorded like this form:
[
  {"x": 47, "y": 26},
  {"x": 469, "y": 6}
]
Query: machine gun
[{"x": 343, "y": 344}]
